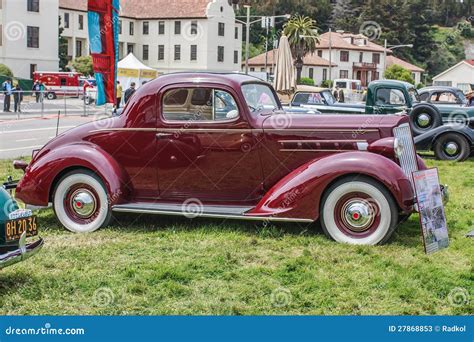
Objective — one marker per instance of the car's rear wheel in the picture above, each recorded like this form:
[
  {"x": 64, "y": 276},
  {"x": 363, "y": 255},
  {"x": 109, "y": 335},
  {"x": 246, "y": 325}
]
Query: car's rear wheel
[
  {"x": 359, "y": 211},
  {"x": 81, "y": 203},
  {"x": 451, "y": 146},
  {"x": 51, "y": 96}
]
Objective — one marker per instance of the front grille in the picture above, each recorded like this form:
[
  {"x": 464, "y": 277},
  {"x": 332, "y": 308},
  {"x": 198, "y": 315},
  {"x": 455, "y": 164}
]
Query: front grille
[{"x": 408, "y": 159}]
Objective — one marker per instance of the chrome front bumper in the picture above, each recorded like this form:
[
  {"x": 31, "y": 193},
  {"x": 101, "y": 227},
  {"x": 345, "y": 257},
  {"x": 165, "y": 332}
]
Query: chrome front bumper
[{"x": 23, "y": 252}]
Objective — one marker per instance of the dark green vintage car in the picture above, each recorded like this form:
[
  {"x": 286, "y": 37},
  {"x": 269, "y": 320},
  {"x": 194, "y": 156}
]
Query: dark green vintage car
[{"x": 16, "y": 225}]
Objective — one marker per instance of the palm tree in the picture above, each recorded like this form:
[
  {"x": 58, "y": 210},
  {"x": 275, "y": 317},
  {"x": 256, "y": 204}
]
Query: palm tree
[{"x": 303, "y": 38}]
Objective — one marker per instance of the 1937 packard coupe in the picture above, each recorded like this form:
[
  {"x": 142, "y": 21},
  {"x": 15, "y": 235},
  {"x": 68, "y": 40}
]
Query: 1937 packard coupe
[{"x": 219, "y": 145}]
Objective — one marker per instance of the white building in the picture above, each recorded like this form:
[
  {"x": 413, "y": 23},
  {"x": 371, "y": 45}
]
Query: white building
[
  {"x": 461, "y": 76},
  {"x": 166, "y": 35},
  {"x": 28, "y": 36}
]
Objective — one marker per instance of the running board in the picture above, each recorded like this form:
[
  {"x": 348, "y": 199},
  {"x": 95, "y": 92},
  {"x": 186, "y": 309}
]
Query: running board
[{"x": 209, "y": 211}]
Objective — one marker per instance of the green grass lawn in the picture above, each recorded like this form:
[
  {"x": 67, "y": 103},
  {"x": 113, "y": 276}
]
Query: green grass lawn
[{"x": 161, "y": 265}]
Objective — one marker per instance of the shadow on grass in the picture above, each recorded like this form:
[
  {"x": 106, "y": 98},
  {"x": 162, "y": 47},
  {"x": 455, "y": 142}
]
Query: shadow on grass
[{"x": 9, "y": 283}]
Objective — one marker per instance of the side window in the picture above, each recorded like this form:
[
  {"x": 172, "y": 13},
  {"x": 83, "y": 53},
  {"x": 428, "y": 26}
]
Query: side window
[
  {"x": 445, "y": 97},
  {"x": 424, "y": 96},
  {"x": 389, "y": 97},
  {"x": 199, "y": 104}
]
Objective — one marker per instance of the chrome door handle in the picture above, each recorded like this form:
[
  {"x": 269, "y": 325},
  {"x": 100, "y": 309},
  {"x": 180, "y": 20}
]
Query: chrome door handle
[{"x": 164, "y": 135}]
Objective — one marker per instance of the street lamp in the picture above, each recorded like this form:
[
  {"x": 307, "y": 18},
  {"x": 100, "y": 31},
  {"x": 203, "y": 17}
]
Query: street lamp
[
  {"x": 391, "y": 47},
  {"x": 247, "y": 30}
]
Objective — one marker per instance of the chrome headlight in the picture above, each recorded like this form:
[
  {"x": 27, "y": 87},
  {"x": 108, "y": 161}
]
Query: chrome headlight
[{"x": 398, "y": 147}]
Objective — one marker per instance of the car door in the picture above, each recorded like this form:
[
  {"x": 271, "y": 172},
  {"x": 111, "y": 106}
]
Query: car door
[
  {"x": 206, "y": 148},
  {"x": 389, "y": 101}
]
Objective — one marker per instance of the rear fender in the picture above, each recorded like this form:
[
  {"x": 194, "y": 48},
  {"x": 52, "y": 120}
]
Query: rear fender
[
  {"x": 36, "y": 186},
  {"x": 298, "y": 195}
]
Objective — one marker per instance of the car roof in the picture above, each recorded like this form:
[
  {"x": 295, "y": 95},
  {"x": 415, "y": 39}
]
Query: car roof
[
  {"x": 443, "y": 88},
  {"x": 211, "y": 77},
  {"x": 309, "y": 89},
  {"x": 391, "y": 82}
]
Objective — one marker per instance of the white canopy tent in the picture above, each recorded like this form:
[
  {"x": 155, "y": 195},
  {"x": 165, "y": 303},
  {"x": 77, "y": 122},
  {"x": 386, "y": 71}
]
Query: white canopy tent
[{"x": 130, "y": 69}]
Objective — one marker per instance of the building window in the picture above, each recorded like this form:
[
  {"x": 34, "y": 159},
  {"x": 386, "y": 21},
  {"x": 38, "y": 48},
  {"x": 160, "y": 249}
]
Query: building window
[
  {"x": 252, "y": 69},
  {"x": 344, "y": 74},
  {"x": 132, "y": 29},
  {"x": 129, "y": 48},
  {"x": 376, "y": 75},
  {"x": 120, "y": 26},
  {"x": 177, "y": 52},
  {"x": 221, "y": 30},
  {"x": 194, "y": 52},
  {"x": 361, "y": 57},
  {"x": 66, "y": 20},
  {"x": 220, "y": 54},
  {"x": 33, "y": 68},
  {"x": 33, "y": 6},
  {"x": 194, "y": 27},
  {"x": 236, "y": 57},
  {"x": 146, "y": 27},
  {"x": 236, "y": 34},
  {"x": 32, "y": 37},
  {"x": 344, "y": 56},
  {"x": 145, "y": 52},
  {"x": 325, "y": 74},
  {"x": 81, "y": 22},
  {"x": 161, "y": 52},
  {"x": 376, "y": 58},
  {"x": 311, "y": 73},
  {"x": 161, "y": 27},
  {"x": 177, "y": 27},
  {"x": 320, "y": 53},
  {"x": 78, "y": 48}
]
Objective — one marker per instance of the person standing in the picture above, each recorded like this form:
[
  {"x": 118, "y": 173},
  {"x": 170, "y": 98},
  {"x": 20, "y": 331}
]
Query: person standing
[
  {"x": 129, "y": 92},
  {"x": 336, "y": 94},
  {"x": 42, "y": 89},
  {"x": 7, "y": 91},
  {"x": 341, "y": 96},
  {"x": 17, "y": 98},
  {"x": 36, "y": 90},
  {"x": 119, "y": 94}
]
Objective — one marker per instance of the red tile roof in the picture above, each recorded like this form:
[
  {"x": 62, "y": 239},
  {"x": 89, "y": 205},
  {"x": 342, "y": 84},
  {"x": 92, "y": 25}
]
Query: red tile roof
[
  {"x": 150, "y": 9},
  {"x": 394, "y": 60},
  {"x": 343, "y": 41},
  {"x": 313, "y": 60},
  {"x": 470, "y": 61}
]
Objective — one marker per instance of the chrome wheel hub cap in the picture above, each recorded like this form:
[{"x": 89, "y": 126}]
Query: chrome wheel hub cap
[
  {"x": 83, "y": 203},
  {"x": 423, "y": 120},
  {"x": 451, "y": 148},
  {"x": 358, "y": 215}
]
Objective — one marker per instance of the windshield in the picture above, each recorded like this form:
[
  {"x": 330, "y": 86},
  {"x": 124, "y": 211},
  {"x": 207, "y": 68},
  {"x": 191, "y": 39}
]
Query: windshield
[
  {"x": 329, "y": 97},
  {"x": 415, "y": 97},
  {"x": 259, "y": 96}
]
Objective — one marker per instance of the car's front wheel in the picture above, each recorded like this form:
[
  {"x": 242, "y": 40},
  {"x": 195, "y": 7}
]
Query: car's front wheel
[
  {"x": 451, "y": 146},
  {"x": 81, "y": 203},
  {"x": 359, "y": 211}
]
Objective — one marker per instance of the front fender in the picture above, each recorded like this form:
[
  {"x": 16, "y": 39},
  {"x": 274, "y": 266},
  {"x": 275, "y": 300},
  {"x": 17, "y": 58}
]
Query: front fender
[
  {"x": 426, "y": 140},
  {"x": 298, "y": 195},
  {"x": 36, "y": 186}
]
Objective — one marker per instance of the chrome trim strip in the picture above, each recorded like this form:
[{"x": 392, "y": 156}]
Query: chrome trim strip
[
  {"x": 317, "y": 150},
  {"x": 174, "y": 130},
  {"x": 22, "y": 253},
  {"x": 322, "y": 141},
  {"x": 124, "y": 130},
  {"x": 337, "y": 130},
  {"x": 232, "y": 217}
]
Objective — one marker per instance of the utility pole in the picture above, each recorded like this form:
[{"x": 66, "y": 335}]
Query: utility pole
[
  {"x": 384, "y": 58},
  {"x": 330, "y": 56},
  {"x": 247, "y": 40}
]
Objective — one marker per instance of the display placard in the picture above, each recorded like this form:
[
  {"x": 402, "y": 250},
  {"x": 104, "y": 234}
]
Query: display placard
[{"x": 431, "y": 209}]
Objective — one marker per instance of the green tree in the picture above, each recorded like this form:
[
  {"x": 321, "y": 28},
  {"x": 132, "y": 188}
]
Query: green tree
[
  {"x": 5, "y": 71},
  {"x": 63, "y": 49},
  {"x": 83, "y": 65},
  {"x": 303, "y": 38},
  {"x": 397, "y": 72}
]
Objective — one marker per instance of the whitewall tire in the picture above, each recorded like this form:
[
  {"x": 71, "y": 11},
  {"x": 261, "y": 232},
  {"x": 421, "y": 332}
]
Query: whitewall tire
[
  {"x": 358, "y": 211},
  {"x": 81, "y": 203}
]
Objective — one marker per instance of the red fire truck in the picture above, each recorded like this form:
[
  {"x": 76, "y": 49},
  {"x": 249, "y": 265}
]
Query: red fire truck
[{"x": 70, "y": 84}]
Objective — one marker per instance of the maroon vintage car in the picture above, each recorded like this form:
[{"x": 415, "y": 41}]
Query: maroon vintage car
[{"x": 219, "y": 145}]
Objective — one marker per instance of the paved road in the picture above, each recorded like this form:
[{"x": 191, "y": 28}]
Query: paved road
[{"x": 21, "y": 137}]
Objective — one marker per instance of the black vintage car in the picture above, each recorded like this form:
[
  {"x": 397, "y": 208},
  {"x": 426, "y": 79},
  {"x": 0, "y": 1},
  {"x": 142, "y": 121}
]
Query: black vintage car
[{"x": 16, "y": 225}]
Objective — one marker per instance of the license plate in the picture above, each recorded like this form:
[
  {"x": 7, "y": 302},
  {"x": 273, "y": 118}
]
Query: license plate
[{"x": 14, "y": 228}]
